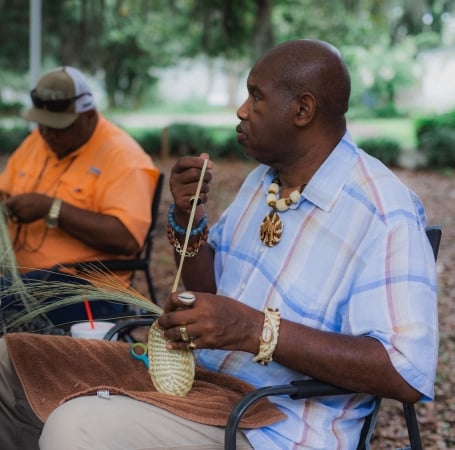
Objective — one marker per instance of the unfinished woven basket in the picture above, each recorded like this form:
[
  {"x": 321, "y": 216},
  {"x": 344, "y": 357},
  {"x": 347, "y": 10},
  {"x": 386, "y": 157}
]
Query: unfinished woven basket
[{"x": 171, "y": 371}]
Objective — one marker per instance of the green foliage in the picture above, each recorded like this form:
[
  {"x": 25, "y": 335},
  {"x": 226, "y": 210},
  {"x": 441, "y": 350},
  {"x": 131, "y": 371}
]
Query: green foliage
[
  {"x": 10, "y": 108},
  {"x": 149, "y": 140},
  {"x": 378, "y": 73},
  {"x": 126, "y": 41},
  {"x": 10, "y": 138},
  {"x": 436, "y": 139},
  {"x": 14, "y": 35},
  {"x": 386, "y": 149},
  {"x": 231, "y": 149},
  {"x": 188, "y": 139}
]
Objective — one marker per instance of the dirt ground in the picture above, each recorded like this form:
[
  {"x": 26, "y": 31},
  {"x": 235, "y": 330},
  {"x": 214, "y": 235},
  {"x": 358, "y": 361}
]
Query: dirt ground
[{"x": 437, "y": 191}]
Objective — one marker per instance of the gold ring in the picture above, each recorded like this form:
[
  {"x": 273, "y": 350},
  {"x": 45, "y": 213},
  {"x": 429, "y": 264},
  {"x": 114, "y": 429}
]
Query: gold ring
[
  {"x": 192, "y": 345},
  {"x": 184, "y": 334},
  {"x": 193, "y": 198},
  {"x": 187, "y": 298}
]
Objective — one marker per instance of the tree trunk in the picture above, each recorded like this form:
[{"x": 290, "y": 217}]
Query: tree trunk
[{"x": 263, "y": 35}]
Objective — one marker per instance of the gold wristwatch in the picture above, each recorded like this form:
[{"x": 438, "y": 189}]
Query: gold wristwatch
[{"x": 53, "y": 214}]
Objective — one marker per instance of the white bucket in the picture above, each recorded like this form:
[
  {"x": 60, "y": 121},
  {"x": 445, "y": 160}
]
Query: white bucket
[{"x": 85, "y": 330}]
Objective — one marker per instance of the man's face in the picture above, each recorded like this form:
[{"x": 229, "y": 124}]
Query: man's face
[
  {"x": 266, "y": 129},
  {"x": 64, "y": 141}
]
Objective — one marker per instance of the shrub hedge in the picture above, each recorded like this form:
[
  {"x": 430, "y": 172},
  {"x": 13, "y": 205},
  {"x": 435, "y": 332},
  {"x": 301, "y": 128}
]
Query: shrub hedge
[
  {"x": 190, "y": 139},
  {"x": 10, "y": 138},
  {"x": 8, "y": 109},
  {"x": 385, "y": 149},
  {"x": 436, "y": 139}
]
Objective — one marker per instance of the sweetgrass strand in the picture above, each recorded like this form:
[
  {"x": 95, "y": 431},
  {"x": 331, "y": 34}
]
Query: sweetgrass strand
[
  {"x": 72, "y": 293},
  {"x": 8, "y": 259},
  {"x": 9, "y": 266}
]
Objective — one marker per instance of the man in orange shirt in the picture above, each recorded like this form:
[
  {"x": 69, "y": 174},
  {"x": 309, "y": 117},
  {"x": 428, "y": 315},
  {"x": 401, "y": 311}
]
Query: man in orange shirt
[{"x": 78, "y": 188}]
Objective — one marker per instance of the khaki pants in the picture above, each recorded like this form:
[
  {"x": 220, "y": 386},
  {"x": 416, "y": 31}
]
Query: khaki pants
[{"x": 93, "y": 423}]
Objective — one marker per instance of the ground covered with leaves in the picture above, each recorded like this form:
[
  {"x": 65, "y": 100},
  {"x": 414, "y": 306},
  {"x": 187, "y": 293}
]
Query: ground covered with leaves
[{"x": 437, "y": 191}]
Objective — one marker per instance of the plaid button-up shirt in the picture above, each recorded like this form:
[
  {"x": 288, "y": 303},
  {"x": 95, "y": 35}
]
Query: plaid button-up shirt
[{"x": 353, "y": 259}]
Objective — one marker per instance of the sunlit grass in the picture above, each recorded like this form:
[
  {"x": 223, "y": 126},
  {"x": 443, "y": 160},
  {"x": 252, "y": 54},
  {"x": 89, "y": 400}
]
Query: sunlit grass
[{"x": 400, "y": 129}]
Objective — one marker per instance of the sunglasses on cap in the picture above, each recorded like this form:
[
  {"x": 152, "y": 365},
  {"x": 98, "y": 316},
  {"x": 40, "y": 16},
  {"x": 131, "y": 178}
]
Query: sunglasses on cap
[{"x": 54, "y": 105}]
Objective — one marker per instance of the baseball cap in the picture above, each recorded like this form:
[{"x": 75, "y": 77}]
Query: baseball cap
[{"x": 59, "y": 97}]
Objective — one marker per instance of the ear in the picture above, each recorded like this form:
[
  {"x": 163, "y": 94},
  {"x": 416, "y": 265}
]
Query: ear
[{"x": 305, "y": 109}]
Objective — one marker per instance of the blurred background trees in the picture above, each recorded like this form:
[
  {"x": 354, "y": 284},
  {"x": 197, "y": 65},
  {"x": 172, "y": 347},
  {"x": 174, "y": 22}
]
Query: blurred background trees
[
  {"x": 132, "y": 47},
  {"x": 124, "y": 41}
]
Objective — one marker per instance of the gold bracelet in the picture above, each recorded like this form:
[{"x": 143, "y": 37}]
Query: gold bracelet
[
  {"x": 192, "y": 249},
  {"x": 269, "y": 336},
  {"x": 188, "y": 254}
]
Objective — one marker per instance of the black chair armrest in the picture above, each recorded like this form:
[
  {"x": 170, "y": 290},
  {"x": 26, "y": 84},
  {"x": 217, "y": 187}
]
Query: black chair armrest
[
  {"x": 316, "y": 388},
  {"x": 110, "y": 265},
  {"x": 296, "y": 390},
  {"x": 434, "y": 233},
  {"x": 125, "y": 326}
]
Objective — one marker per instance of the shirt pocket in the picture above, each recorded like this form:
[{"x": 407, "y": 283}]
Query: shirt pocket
[
  {"x": 80, "y": 189},
  {"x": 23, "y": 181}
]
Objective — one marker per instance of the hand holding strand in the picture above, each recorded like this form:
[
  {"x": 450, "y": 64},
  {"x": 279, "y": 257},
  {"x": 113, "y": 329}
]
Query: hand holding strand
[{"x": 212, "y": 321}]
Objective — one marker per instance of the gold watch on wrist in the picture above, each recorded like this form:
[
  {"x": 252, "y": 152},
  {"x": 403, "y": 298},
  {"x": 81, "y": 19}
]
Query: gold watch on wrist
[{"x": 53, "y": 214}]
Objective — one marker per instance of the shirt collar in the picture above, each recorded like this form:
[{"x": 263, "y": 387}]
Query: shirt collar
[{"x": 327, "y": 183}]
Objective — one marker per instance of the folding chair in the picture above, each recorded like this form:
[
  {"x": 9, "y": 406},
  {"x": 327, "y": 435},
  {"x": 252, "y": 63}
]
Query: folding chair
[{"x": 302, "y": 388}]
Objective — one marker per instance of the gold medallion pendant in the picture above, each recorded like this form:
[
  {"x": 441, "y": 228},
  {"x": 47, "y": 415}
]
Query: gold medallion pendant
[{"x": 271, "y": 229}]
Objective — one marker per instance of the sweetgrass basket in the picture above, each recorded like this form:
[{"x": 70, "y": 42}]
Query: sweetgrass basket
[{"x": 171, "y": 371}]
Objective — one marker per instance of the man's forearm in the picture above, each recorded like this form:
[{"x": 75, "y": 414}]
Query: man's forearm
[
  {"x": 100, "y": 231},
  {"x": 359, "y": 363}
]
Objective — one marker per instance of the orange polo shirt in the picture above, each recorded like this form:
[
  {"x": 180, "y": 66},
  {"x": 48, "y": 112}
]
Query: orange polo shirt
[{"x": 110, "y": 174}]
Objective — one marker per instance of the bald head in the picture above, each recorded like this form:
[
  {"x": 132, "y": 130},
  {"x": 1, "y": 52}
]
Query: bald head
[{"x": 308, "y": 65}]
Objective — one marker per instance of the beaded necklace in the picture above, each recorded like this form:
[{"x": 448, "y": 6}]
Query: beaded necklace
[{"x": 272, "y": 226}]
